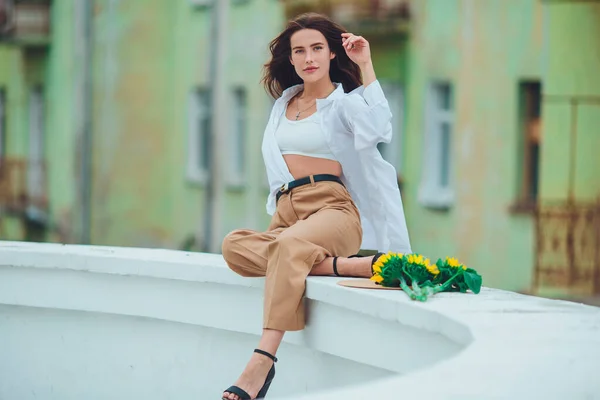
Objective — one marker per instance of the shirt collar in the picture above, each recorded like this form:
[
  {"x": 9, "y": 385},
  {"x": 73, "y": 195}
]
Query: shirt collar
[{"x": 293, "y": 90}]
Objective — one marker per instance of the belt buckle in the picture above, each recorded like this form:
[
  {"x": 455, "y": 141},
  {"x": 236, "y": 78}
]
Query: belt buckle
[{"x": 284, "y": 187}]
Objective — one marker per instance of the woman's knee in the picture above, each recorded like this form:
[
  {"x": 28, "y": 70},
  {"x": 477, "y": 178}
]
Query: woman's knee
[
  {"x": 229, "y": 247},
  {"x": 293, "y": 246},
  {"x": 285, "y": 241},
  {"x": 236, "y": 255}
]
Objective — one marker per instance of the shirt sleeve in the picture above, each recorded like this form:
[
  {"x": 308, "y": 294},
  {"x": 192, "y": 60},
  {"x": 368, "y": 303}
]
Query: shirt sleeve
[{"x": 366, "y": 113}]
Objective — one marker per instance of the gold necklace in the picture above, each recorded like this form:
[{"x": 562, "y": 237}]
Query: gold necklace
[{"x": 298, "y": 108}]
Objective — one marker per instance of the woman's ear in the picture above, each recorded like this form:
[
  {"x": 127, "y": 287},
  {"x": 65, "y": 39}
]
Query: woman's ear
[{"x": 331, "y": 55}]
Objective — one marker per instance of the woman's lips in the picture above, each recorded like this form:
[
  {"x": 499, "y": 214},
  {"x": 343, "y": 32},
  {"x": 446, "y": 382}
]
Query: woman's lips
[{"x": 310, "y": 70}]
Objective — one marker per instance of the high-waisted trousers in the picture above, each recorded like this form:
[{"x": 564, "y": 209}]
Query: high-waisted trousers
[{"x": 311, "y": 222}]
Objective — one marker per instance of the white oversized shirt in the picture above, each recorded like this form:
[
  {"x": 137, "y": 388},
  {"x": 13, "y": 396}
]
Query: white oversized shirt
[{"x": 353, "y": 124}]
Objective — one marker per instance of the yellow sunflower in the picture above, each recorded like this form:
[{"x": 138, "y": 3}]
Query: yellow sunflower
[{"x": 454, "y": 263}]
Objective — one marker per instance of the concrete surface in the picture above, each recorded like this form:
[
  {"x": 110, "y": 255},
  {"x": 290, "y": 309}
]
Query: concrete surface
[{"x": 99, "y": 322}]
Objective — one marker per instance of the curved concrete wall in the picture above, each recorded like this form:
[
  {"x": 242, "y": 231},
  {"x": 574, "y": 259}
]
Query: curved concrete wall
[{"x": 98, "y": 322}]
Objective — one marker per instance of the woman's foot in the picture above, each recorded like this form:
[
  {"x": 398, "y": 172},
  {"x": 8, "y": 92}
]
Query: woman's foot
[
  {"x": 358, "y": 267},
  {"x": 253, "y": 378}
]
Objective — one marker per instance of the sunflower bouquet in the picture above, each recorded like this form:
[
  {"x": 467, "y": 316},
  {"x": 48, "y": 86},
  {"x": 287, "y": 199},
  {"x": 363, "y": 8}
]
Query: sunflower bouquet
[{"x": 420, "y": 279}]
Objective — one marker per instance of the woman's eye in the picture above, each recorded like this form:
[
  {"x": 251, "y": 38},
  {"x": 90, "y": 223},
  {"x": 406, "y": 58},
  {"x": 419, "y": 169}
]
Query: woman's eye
[
  {"x": 298, "y": 51},
  {"x": 318, "y": 47}
]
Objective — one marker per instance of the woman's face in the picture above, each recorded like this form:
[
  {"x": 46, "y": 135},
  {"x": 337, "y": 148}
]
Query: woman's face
[{"x": 310, "y": 55}]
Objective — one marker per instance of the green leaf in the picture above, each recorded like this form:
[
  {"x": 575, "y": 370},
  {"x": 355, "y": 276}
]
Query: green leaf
[{"x": 473, "y": 281}]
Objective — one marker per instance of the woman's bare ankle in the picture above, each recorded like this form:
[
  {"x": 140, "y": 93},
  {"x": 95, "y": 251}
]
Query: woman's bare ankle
[{"x": 358, "y": 267}]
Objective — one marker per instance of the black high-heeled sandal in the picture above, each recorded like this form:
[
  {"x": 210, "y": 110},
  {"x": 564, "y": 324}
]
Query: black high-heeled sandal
[
  {"x": 375, "y": 257},
  {"x": 242, "y": 394}
]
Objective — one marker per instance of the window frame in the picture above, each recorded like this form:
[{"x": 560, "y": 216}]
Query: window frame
[
  {"x": 528, "y": 115},
  {"x": 199, "y": 109},
  {"x": 238, "y": 138},
  {"x": 432, "y": 193},
  {"x": 37, "y": 139}
]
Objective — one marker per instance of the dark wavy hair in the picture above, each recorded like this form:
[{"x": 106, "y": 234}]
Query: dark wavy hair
[{"x": 279, "y": 74}]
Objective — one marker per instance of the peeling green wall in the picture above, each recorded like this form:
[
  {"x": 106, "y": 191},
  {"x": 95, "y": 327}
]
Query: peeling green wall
[
  {"x": 148, "y": 56},
  {"x": 133, "y": 163},
  {"x": 573, "y": 72},
  {"x": 61, "y": 148},
  {"x": 484, "y": 49}
]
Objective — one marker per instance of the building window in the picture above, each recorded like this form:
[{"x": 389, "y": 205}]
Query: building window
[
  {"x": 436, "y": 189},
  {"x": 35, "y": 175},
  {"x": 2, "y": 124},
  {"x": 237, "y": 138},
  {"x": 530, "y": 93},
  {"x": 199, "y": 131}
]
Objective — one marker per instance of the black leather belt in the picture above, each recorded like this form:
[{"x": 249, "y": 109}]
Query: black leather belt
[{"x": 306, "y": 181}]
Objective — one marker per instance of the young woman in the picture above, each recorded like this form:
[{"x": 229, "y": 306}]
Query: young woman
[{"x": 331, "y": 192}]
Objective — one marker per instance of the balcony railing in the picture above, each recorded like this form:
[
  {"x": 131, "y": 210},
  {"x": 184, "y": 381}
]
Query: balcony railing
[
  {"x": 369, "y": 17},
  {"x": 84, "y": 312},
  {"x": 25, "y": 22}
]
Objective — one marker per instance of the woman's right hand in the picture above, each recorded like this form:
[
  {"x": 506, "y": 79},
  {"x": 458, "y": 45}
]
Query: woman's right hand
[{"x": 357, "y": 48}]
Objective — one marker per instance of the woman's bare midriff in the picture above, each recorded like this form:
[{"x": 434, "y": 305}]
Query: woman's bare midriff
[{"x": 301, "y": 166}]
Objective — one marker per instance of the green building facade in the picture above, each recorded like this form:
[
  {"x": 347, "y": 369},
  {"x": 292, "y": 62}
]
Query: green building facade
[
  {"x": 486, "y": 145},
  {"x": 126, "y": 118},
  {"x": 115, "y": 105}
]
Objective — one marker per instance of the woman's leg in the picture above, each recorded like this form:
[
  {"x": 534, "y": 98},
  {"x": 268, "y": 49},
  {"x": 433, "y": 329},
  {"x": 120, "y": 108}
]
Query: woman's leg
[
  {"x": 246, "y": 253},
  {"x": 291, "y": 254},
  {"x": 253, "y": 377},
  {"x": 286, "y": 255},
  {"x": 359, "y": 267}
]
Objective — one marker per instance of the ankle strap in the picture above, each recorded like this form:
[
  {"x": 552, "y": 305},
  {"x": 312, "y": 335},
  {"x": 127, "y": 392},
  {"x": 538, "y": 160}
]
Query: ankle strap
[
  {"x": 335, "y": 271},
  {"x": 264, "y": 353}
]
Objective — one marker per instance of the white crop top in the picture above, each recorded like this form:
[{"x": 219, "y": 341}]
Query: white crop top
[{"x": 304, "y": 137}]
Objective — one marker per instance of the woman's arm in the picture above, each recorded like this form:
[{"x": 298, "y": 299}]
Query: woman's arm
[
  {"x": 368, "y": 117},
  {"x": 359, "y": 51},
  {"x": 368, "y": 74},
  {"x": 366, "y": 113}
]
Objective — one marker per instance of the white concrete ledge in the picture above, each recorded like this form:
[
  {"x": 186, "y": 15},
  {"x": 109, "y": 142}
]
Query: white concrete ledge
[{"x": 103, "y": 322}]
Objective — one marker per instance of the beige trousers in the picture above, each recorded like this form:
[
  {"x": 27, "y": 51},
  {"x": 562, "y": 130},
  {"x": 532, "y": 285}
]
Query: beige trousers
[{"x": 311, "y": 222}]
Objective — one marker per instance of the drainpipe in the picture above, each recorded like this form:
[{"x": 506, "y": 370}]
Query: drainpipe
[
  {"x": 82, "y": 115},
  {"x": 215, "y": 188}
]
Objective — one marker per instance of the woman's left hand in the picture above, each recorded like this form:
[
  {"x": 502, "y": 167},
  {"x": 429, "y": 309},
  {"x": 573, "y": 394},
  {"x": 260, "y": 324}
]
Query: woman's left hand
[{"x": 357, "y": 48}]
